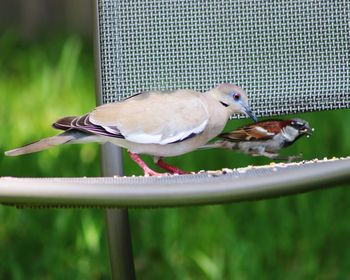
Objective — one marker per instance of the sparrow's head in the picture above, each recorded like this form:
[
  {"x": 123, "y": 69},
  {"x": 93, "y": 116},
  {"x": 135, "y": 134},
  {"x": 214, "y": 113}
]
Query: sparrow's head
[
  {"x": 293, "y": 129},
  {"x": 301, "y": 126},
  {"x": 235, "y": 98}
]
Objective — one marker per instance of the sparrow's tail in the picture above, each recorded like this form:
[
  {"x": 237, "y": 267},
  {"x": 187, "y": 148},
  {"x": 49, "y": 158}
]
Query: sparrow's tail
[
  {"x": 211, "y": 146},
  {"x": 45, "y": 143},
  {"x": 219, "y": 144}
]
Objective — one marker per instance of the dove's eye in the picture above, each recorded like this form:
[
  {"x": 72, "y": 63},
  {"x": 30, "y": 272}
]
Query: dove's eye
[{"x": 236, "y": 96}]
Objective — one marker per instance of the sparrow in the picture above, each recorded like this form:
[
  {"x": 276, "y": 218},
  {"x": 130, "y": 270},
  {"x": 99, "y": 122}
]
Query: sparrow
[
  {"x": 264, "y": 138},
  {"x": 159, "y": 124}
]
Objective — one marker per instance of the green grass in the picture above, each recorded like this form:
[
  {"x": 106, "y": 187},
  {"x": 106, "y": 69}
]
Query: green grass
[{"x": 298, "y": 237}]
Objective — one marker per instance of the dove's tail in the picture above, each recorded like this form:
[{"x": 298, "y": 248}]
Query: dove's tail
[{"x": 65, "y": 137}]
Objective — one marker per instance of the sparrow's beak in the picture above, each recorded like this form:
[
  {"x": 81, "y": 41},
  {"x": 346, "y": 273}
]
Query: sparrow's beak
[
  {"x": 307, "y": 130},
  {"x": 250, "y": 113}
]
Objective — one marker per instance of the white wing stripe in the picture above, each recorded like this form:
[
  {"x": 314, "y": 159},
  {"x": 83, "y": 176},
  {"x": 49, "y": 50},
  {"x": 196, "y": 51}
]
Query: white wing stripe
[
  {"x": 262, "y": 130},
  {"x": 157, "y": 139},
  {"x": 184, "y": 134}
]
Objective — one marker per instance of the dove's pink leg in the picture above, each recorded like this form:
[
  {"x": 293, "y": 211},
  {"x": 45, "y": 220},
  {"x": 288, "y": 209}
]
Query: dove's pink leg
[
  {"x": 148, "y": 171},
  {"x": 170, "y": 168}
]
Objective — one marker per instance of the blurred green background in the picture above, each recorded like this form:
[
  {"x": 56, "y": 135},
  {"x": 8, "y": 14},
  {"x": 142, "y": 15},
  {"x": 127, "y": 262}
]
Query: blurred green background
[{"x": 299, "y": 237}]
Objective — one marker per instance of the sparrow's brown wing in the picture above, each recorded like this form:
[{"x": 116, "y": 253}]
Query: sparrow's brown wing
[{"x": 255, "y": 132}]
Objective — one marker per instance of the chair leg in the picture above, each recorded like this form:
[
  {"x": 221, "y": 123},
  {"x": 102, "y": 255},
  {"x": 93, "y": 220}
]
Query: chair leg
[
  {"x": 118, "y": 229},
  {"x": 119, "y": 244}
]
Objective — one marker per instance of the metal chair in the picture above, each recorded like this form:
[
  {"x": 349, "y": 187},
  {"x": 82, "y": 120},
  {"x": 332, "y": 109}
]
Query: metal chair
[{"x": 292, "y": 56}]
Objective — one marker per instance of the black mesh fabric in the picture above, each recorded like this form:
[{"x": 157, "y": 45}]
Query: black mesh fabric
[{"x": 290, "y": 56}]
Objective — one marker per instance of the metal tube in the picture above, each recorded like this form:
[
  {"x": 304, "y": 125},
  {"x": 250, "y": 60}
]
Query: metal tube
[
  {"x": 186, "y": 190},
  {"x": 118, "y": 229}
]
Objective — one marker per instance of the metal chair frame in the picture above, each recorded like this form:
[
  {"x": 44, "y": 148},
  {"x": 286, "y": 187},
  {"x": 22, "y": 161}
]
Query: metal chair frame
[{"x": 119, "y": 193}]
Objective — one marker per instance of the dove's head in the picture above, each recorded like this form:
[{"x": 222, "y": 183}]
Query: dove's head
[{"x": 234, "y": 98}]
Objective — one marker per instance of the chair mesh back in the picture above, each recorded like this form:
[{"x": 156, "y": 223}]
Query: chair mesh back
[{"x": 291, "y": 56}]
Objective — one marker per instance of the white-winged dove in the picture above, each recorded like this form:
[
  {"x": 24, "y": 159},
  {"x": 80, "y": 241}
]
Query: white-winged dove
[
  {"x": 265, "y": 138},
  {"x": 160, "y": 124}
]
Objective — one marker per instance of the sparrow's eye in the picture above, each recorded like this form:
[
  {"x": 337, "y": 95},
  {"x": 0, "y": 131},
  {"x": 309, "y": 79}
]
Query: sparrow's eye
[{"x": 236, "y": 96}]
